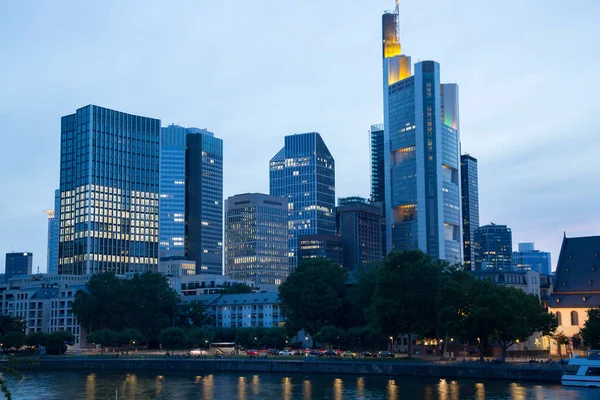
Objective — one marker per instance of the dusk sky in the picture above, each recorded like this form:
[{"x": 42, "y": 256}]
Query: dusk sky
[{"x": 255, "y": 71}]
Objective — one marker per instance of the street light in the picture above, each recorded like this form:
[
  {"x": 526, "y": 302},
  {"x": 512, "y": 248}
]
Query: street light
[{"x": 391, "y": 344}]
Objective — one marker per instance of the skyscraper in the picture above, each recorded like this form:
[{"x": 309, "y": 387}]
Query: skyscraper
[
  {"x": 204, "y": 201},
  {"x": 359, "y": 224},
  {"x": 493, "y": 247},
  {"x": 470, "y": 206},
  {"x": 321, "y": 245},
  {"x": 191, "y": 192},
  {"x": 527, "y": 258},
  {"x": 421, "y": 156},
  {"x": 108, "y": 192},
  {"x": 377, "y": 164},
  {"x": 53, "y": 225},
  {"x": 303, "y": 171},
  {"x": 256, "y": 239},
  {"x": 18, "y": 264}
]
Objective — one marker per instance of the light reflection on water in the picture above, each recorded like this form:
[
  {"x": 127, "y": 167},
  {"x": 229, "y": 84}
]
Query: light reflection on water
[{"x": 253, "y": 386}]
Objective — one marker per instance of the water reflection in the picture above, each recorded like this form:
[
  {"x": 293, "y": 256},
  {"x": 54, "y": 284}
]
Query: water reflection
[
  {"x": 242, "y": 388},
  {"x": 428, "y": 392},
  {"x": 392, "y": 390},
  {"x": 454, "y": 390},
  {"x": 208, "y": 387},
  {"x": 360, "y": 387},
  {"x": 338, "y": 389},
  {"x": 517, "y": 392},
  {"x": 255, "y": 385},
  {"x": 159, "y": 384},
  {"x": 443, "y": 389},
  {"x": 307, "y": 389},
  {"x": 90, "y": 387},
  {"x": 286, "y": 388},
  {"x": 129, "y": 387},
  {"x": 479, "y": 391}
]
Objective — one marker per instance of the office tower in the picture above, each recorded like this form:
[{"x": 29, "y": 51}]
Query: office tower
[
  {"x": 53, "y": 225},
  {"x": 421, "y": 157},
  {"x": 321, "y": 245},
  {"x": 191, "y": 193},
  {"x": 470, "y": 206},
  {"x": 359, "y": 224},
  {"x": 256, "y": 239},
  {"x": 18, "y": 264},
  {"x": 493, "y": 247},
  {"x": 527, "y": 258},
  {"x": 108, "y": 192},
  {"x": 377, "y": 164},
  {"x": 303, "y": 171},
  {"x": 204, "y": 201},
  {"x": 171, "y": 227}
]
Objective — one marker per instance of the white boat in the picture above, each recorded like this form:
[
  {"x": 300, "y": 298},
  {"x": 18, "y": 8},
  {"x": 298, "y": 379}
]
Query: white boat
[{"x": 583, "y": 372}]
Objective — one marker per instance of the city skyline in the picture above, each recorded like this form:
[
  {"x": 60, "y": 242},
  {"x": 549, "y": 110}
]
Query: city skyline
[{"x": 516, "y": 112}]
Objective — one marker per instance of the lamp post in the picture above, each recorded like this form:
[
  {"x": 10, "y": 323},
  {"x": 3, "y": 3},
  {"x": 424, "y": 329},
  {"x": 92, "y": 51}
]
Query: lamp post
[{"x": 392, "y": 344}]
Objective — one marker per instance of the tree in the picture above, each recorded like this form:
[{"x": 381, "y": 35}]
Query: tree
[
  {"x": 200, "y": 337},
  {"x": 311, "y": 297},
  {"x": 129, "y": 337},
  {"x": 192, "y": 313},
  {"x": 103, "y": 337},
  {"x": 405, "y": 294},
  {"x": 238, "y": 288},
  {"x": 359, "y": 296},
  {"x": 11, "y": 324},
  {"x": 36, "y": 339},
  {"x": 103, "y": 305},
  {"x": 331, "y": 335},
  {"x": 13, "y": 340},
  {"x": 57, "y": 342},
  {"x": 561, "y": 339},
  {"x": 590, "y": 333},
  {"x": 452, "y": 302},
  {"x": 172, "y": 338}
]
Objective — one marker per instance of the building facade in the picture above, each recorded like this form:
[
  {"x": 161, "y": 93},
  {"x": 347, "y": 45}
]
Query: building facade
[
  {"x": 303, "y": 172},
  {"x": 576, "y": 286},
  {"x": 18, "y": 264},
  {"x": 359, "y": 224},
  {"x": 108, "y": 192},
  {"x": 421, "y": 155},
  {"x": 493, "y": 247},
  {"x": 470, "y": 207},
  {"x": 256, "y": 239},
  {"x": 527, "y": 258},
  {"x": 204, "y": 201},
  {"x": 378, "y": 175},
  {"x": 247, "y": 310},
  {"x": 321, "y": 246},
  {"x": 53, "y": 225}
]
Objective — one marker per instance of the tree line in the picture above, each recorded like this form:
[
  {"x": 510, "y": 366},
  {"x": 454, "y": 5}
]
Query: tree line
[{"x": 408, "y": 293}]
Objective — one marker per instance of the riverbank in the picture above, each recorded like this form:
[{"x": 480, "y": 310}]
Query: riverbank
[{"x": 454, "y": 370}]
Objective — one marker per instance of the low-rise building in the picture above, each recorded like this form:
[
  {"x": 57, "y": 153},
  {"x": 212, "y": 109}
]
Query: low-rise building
[
  {"x": 201, "y": 284},
  {"x": 247, "y": 310},
  {"x": 528, "y": 281}
]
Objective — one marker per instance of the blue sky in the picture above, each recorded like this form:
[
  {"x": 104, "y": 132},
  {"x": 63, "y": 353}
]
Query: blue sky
[{"x": 253, "y": 72}]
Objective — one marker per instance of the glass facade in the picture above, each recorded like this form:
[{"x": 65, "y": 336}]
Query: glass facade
[
  {"x": 377, "y": 164},
  {"x": 18, "y": 264},
  {"x": 321, "y": 246},
  {"x": 527, "y": 258},
  {"x": 109, "y": 183},
  {"x": 470, "y": 207},
  {"x": 204, "y": 201},
  {"x": 256, "y": 239},
  {"x": 359, "y": 224},
  {"x": 493, "y": 247},
  {"x": 171, "y": 227},
  {"x": 53, "y": 224},
  {"x": 303, "y": 171}
]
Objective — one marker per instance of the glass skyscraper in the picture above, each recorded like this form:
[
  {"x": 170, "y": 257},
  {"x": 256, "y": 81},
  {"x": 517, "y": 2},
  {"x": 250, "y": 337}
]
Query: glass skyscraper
[
  {"x": 527, "y": 258},
  {"x": 303, "y": 172},
  {"x": 256, "y": 239},
  {"x": 377, "y": 164},
  {"x": 53, "y": 225},
  {"x": 470, "y": 207},
  {"x": 109, "y": 182},
  {"x": 191, "y": 192},
  {"x": 421, "y": 154},
  {"x": 18, "y": 264},
  {"x": 493, "y": 247}
]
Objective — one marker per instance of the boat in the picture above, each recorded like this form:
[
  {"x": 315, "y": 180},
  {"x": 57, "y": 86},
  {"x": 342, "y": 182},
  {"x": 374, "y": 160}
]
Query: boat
[{"x": 583, "y": 371}]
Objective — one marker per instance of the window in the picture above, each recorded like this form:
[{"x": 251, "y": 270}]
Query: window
[
  {"x": 574, "y": 318},
  {"x": 559, "y": 318}
]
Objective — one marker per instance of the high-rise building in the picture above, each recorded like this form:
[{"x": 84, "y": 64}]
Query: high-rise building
[
  {"x": 493, "y": 247},
  {"x": 359, "y": 223},
  {"x": 191, "y": 193},
  {"x": 421, "y": 156},
  {"x": 204, "y": 201},
  {"x": 377, "y": 164},
  {"x": 256, "y": 239},
  {"x": 18, "y": 264},
  {"x": 53, "y": 225},
  {"x": 527, "y": 258},
  {"x": 321, "y": 246},
  {"x": 470, "y": 206},
  {"x": 108, "y": 192},
  {"x": 303, "y": 172}
]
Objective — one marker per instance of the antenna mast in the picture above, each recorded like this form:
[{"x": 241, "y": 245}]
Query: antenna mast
[{"x": 397, "y": 14}]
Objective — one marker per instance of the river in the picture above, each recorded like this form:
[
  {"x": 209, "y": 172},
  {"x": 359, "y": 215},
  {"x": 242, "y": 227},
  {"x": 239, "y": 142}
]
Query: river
[{"x": 249, "y": 386}]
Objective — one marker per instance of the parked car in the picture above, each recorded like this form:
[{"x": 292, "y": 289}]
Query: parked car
[
  {"x": 272, "y": 352},
  {"x": 385, "y": 354},
  {"x": 252, "y": 353},
  {"x": 298, "y": 353},
  {"x": 316, "y": 353},
  {"x": 366, "y": 354},
  {"x": 330, "y": 353},
  {"x": 349, "y": 354},
  {"x": 286, "y": 353}
]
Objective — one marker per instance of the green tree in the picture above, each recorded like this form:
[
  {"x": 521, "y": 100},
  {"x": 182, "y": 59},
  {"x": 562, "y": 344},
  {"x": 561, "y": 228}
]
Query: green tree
[
  {"x": 57, "y": 342},
  {"x": 11, "y": 324},
  {"x": 360, "y": 295},
  {"x": 36, "y": 339},
  {"x": 200, "y": 337},
  {"x": 193, "y": 313},
  {"x": 561, "y": 339},
  {"x": 103, "y": 304},
  {"x": 128, "y": 338},
  {"x": 103, "y": 337},
  {"x": 238, "y": 288},
  {"x": 312, "y": 296},
  {"x": 331, "y": 336},
  {"x": 172, "y": 338},
  {"x": 405, "y": 294},
  {"x": 13, "y": 340},
  {"x": 590, "y": 333}
]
